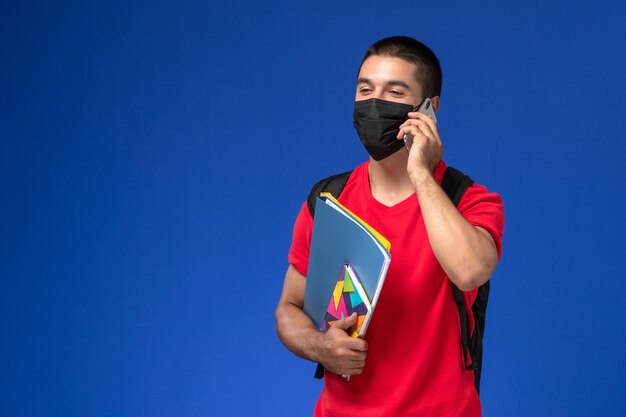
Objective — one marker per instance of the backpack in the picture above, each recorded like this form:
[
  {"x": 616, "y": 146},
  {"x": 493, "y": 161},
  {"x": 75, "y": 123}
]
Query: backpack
[{"x": 454, "y": 184}]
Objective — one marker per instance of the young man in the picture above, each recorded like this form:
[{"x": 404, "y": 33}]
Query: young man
[{"x": 411, "y": 363}]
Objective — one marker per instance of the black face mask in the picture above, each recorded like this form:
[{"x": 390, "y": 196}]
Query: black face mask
[{"x": 377, "y": 122}]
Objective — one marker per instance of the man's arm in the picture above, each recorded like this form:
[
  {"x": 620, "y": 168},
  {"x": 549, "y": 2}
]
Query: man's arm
[
  {"x": 334, "y": 349},
  {"x": 467, "y": 253}
]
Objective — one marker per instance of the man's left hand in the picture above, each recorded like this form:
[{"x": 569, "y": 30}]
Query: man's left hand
[{"x": 427, "y": 149}]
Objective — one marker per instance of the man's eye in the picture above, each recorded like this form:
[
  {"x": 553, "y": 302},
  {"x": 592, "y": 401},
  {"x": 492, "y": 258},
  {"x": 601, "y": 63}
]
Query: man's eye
[
  {"x": 396, "y": 93},
  {"x": 364, "y": 90}
]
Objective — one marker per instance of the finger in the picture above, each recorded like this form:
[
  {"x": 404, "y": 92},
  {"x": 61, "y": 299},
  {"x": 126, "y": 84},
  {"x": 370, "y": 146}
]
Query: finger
[
  {"x": 428, "y": 120},
  {"x": 358, "y": 356},
  {"x": 344, "y": 353},
  {"x": 357, "y": 345},
  {"x": 345, "y": 344},
  {"x": 411, "y": 122},
  {"x": 414, "y": 114},
  {"x": 411, "y": 130},
  {"x": 426, "y": 130},
  {"x": 420, "y": 115},
  {"x": 346, "y": 322},
  {"x": 349, "y": 363},
  {"x": 354, "y": 351},
  {"x": 353, "y": 362},
  {"x": 418, "y": 122},
  {"x": 355, "y": 369},
  {"x": 425, "y": 122}
]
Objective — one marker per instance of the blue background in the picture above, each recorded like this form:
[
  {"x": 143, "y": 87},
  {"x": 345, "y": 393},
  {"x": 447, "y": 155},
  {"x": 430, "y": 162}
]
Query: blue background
[{"x": 155, "y": 154}]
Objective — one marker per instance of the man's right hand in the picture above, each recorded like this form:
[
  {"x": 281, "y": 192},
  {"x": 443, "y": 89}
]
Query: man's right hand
[
  {"x": 334, "y": 349},
  {"x": 340, "y": 353}
]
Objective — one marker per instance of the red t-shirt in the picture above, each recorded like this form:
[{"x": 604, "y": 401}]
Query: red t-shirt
[{"x": 414, "y": 364}]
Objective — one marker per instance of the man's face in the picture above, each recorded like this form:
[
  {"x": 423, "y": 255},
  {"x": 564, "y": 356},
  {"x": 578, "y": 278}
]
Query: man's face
[{"x": 388, "y": 78}]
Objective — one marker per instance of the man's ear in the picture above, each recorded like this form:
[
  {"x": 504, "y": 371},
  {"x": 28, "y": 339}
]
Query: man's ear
[{"x": 435, "y": 101}]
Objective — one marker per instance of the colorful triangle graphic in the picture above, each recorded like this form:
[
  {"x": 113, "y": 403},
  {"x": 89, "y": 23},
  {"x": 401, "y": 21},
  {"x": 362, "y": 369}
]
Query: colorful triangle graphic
[
  {"x": 348, "y": 286},
  {"x": 355, "y": 299},
  {"x": 337, "y": 293}
]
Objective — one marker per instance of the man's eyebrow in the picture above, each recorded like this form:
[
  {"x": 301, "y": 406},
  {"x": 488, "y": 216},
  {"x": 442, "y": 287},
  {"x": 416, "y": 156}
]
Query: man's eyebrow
[
  {"x": 399, "y": 84},
  {"x": 389, "y": 83}
]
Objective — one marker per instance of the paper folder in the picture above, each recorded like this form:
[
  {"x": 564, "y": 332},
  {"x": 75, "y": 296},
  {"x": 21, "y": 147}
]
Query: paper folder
[{"x": 339, "y": 237}]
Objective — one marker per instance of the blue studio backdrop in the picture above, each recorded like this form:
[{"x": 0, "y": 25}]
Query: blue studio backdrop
[{"x": 155, "y": 154}]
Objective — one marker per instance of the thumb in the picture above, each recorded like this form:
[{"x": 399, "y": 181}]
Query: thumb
[{"x": 346, "y": 322}]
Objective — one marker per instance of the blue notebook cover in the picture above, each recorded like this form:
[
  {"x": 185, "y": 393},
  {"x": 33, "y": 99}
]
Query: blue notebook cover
[{"x": 338, "y": 239}]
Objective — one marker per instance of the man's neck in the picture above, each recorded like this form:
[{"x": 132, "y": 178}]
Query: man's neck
[{"x": 389, "y": 181}]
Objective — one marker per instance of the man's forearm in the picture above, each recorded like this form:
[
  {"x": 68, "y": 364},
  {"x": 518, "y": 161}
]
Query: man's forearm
[
  {"x": 297, "y": 332},
  {"x": 466, "y": 253}
]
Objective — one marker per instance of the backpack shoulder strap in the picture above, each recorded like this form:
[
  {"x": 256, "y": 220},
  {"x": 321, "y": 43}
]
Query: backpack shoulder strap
[
  {"x": 476, "y": 341},
  {"x": 455, "y": 183},
  {"x": 333, "y": 184}
]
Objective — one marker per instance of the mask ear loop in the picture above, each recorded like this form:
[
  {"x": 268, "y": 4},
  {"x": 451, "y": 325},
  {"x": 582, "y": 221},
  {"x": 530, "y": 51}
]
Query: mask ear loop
[{"x": 416, "y": 108}]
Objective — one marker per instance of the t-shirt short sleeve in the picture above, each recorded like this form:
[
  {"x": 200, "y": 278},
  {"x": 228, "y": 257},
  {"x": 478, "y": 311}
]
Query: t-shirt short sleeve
[
  {"x": 484, "y": 209},
  {"x": 301, "y": 241}
]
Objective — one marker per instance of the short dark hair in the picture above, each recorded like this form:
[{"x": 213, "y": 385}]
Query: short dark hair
[{"x": 428, "y": 72}]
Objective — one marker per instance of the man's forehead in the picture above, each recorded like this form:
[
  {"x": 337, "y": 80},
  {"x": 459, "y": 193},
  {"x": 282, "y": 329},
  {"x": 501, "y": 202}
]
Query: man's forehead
[{"x": 388, "y": 70}]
